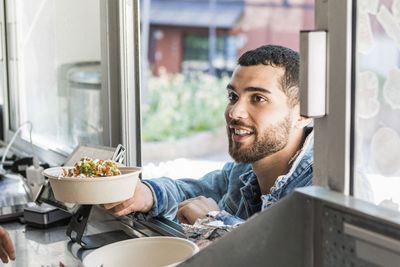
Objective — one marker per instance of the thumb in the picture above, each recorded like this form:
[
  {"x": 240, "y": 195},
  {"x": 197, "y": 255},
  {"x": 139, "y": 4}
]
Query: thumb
[{"x": 181, "y": 217}]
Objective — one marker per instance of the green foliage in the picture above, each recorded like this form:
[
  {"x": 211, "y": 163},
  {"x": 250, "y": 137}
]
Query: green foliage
[{"x": 175, "y": 106}]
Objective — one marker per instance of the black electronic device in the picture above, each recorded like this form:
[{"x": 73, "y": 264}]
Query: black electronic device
[{"x": 45, "y": 216}]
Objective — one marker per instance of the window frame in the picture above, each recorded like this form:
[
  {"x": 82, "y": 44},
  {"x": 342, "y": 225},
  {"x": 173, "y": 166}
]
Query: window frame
[
  {"x": 120, "y": 85},
  {"x": 333, "y": 136}
]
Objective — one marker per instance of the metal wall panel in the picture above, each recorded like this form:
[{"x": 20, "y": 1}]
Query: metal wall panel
[{"x": 332, "y": 132}]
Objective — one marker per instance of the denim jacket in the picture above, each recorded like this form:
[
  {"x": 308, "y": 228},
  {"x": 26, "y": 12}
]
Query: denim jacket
[{"x": 235, "y": 188}]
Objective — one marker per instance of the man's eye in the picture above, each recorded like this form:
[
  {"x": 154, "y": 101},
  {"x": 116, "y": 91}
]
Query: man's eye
[
  {"x": 258, "y": 98},
  {"x": 232, "y": 97}
]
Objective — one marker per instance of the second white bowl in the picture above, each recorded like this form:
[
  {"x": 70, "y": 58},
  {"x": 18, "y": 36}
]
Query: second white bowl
[{"x": 143, "y": 252}]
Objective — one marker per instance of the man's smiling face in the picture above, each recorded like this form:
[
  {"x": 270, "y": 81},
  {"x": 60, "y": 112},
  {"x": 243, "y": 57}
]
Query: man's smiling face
[{"x": 258, "y": 116}]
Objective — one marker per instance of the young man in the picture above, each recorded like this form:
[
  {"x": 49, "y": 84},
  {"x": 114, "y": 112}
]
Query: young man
[{"x": 268, "y": 139}]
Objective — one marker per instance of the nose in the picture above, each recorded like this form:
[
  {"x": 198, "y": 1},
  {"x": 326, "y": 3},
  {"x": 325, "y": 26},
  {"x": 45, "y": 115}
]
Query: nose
[{"x": 238, "y": 110}]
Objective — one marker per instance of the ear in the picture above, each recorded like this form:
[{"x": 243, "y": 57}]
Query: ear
[
  {"x": 305, "y": 121},
  {"x": 299, "y": 121}
]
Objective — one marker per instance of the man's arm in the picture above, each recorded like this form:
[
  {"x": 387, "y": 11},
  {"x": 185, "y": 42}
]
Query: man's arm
[{"x": 168, "y": 193}]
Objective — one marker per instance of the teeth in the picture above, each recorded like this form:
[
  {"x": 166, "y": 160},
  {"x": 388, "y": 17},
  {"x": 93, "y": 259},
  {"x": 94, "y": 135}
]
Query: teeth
[{"x": 241, "y": 132}]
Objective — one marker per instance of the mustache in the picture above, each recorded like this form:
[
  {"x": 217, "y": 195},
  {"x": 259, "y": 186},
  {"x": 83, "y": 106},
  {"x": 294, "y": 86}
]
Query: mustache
[{"x": 240, "y": 123}]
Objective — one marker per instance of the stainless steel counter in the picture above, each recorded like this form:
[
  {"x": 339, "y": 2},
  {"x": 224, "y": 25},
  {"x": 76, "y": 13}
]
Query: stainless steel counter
[
  {"x": 33, "y": 246},
  {"x": 50, "y": 247},
  {"x": 46, "y": 247},
  {"x": 41, "y": 247}
]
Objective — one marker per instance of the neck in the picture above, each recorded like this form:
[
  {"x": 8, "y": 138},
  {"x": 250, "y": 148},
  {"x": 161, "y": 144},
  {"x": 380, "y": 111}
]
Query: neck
[{"x": 269, "y": 168}]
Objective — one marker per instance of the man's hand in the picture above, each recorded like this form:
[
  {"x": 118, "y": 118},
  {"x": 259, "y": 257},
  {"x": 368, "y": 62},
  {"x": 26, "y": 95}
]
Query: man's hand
[
  {"x": 195, "y": 208},
  {"x": 141, "y": 201},
  {"x": 6, "y": 246}
]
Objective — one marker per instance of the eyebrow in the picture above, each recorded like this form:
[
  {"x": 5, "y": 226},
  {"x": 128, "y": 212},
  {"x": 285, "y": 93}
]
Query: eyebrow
[{"x": 250, "y": 89}]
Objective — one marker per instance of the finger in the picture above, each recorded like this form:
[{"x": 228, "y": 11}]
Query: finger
[
  {"x": 124, "y": 208},
  {"x": 109, "y": 206},
  {"x": 212, "y": 204},
  {"x": 181, "y": 217},
  {"x": 192, "y": 200},
  {"x": 8, "y": 247},
  {"x": 201, "y": 198},
  {"x": 184, "y": 203},
  {"x": 124, "y": 211},
  {"x": 191, "y": 213},
  {"x": 3, "y": 255}
]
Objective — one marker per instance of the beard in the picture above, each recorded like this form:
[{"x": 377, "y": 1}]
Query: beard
[{"x": 274, "y": 139}]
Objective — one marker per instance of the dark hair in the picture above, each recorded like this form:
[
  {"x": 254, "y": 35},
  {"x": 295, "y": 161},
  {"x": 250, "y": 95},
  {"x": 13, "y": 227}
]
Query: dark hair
[{"x": 277, "y": 56}]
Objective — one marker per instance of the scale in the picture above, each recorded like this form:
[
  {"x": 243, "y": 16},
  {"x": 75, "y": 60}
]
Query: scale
[{"x": 44, "y": 215}]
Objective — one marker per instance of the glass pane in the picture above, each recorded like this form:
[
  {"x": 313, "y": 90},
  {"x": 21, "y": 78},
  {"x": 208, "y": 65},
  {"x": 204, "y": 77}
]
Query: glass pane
[
  {"x": 54, "y": 71},
  {"x": 1, "y": 83},
  {"x": 377, "y": 155},
  {"x": 191, "y": 51}
]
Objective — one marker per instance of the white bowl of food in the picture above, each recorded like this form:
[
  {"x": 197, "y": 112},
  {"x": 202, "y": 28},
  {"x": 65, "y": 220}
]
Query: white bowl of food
[
  {"x": 92, "y": 189},
  {"x": 143, "y": 252}
]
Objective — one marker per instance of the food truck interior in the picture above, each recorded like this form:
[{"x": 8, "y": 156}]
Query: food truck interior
[{"x": 142, "y": 83}]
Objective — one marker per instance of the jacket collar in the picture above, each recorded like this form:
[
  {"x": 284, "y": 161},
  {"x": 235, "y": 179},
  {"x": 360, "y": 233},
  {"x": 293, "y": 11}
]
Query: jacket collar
[{"x": 301, "y": 163}]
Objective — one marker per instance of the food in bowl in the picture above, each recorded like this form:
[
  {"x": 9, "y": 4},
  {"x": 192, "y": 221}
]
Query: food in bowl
[
  {"x": 91, "y": 191},
  {"x": 92, "y": 168}
]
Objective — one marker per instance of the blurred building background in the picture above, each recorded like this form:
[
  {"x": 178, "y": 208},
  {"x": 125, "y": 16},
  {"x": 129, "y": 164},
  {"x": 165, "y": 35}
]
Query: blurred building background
[{"x": 208, "y": 35}]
